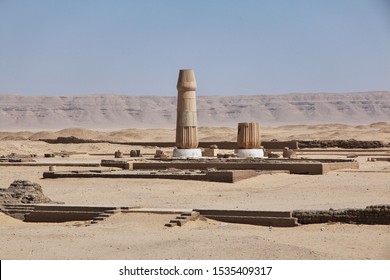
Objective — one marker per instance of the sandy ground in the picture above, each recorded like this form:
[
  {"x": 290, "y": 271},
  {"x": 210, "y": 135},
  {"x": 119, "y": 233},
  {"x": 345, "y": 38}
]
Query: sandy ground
[
  {"x": 375, "y": 131},
  {"x": 143, "y": 236}
]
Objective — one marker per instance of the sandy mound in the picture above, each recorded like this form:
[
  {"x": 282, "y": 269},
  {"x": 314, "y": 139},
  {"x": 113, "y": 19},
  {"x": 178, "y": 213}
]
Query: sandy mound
[
  {"x": 13, "y": 138},
  {"x": 379, "y": 125},
  {"x": 79, "y": 133},
  {"x": 139, "y": 135},
  {"x": 217, "y": 133},
  {"x": 76, "y": 132},
  {"x": 6, "y": 220},
  {"x": 42, "y": 135},
  {"x": 375, "y": 131}
]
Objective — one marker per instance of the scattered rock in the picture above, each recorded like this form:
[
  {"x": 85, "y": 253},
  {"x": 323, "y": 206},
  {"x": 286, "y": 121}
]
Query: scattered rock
[
  {"x": 118, "y": 154},
  {"x": 135, "y": 153},
  {"x": 160, "y": 154},
  {"x": 229, "y": 156},
  {"x": 287, "y": 153},
  {"x": 273, "y": 155}
]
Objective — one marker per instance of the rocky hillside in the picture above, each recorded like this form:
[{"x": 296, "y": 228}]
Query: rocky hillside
[{"x": 116, "y": 111}]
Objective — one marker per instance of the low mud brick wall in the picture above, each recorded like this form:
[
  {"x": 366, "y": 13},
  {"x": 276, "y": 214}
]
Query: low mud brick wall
[
  {"x": 313, "y": 168},
  {"x": 375, "y": 214}
]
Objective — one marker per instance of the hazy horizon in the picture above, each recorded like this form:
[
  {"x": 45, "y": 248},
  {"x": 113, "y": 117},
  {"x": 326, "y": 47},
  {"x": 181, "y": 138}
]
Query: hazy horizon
[
  {"x": 120, "y": 111},
  {"x": 174, "y": 94}
]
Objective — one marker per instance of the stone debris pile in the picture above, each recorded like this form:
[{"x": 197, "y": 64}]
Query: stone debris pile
[{"x": 23, "y": 191}]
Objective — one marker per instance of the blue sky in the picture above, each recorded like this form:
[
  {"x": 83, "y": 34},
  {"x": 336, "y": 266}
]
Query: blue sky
[{"x": 78, "y": 47}]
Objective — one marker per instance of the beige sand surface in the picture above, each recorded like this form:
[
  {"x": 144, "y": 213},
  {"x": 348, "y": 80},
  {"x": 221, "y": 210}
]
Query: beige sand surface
[
  {"x": 376, "y": 131},
  {"x": 143, "y": 236}
]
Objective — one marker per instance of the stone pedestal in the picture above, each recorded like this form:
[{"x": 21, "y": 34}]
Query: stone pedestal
[
  {"x": 187, "y": 153},
  {"x": 246, "y": 153}
]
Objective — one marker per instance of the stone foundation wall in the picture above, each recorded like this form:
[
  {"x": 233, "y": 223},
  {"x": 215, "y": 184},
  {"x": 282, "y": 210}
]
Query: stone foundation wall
[
  {"x": 374, "y": 214},
  {"x": 346, "y": 144},
  {"x": 116, "y": 163}
]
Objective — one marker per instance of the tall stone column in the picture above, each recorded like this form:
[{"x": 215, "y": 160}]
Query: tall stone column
[
  {"x": 186, "y": 122},
  {"x": 248, "y": 140}
]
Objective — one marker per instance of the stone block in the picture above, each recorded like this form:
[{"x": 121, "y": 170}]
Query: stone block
[
  {"x": 209, "y": 152},
  {"x": 135, "y": 153},
  {"x": 287, "y": 153},
  {"x": 118, "y": 154}
]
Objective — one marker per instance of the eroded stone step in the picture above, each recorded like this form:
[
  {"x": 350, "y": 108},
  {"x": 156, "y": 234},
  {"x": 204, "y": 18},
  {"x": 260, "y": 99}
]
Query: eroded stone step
[
  {"x": 207, "y": 212},
  {"x": 183, "y": 218},
  {"x": 259, "y": 221},
  {"x": 58, "y": 217}
]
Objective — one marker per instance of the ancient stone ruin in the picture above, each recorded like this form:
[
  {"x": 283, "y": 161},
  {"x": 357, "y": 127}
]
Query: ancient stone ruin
[
  {"x": 373, "y": 214},
  {"x": 13, "y": 157},
  {"x": 186, "y": 122},
  {"x": 213, "y": 151},
  {"x": 23, "y": 191},
  {"x": 248, "y": 140},
  {"x": 118, "y": 154},
  {"x": 287, "y": 153},
  {"x": 135, "y": 153}
]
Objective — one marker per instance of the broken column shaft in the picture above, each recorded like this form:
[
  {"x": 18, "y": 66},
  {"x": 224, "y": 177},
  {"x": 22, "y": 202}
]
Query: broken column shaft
[
  {"x": 248, "y": 135},
  {"x": 248, "y": 140}
]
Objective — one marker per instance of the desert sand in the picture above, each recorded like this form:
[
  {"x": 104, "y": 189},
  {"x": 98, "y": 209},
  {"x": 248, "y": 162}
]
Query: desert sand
[
  {"x": 374, "y": 131},
  {"x": 143, "y": 236}
]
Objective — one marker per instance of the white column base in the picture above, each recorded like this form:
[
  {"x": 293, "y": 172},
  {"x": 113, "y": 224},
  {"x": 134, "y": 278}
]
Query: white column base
[
  {"x": 247, "y": 153},
  {"x": 187, "y": 153}
]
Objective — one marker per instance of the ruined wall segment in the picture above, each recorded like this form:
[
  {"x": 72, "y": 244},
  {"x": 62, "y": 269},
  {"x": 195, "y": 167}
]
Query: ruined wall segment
[{"x": 374, "y": 214}]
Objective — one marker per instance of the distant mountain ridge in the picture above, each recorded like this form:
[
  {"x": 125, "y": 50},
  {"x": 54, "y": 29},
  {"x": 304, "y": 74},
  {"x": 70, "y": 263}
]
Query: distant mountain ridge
[{"x": 120, "y": 111}]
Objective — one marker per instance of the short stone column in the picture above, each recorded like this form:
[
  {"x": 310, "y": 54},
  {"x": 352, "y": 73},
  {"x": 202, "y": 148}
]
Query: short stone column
[
  {"x": 248, "y": 140},
  {"x": 248, "y": 135},
  {"x": 186, "y": 122}
]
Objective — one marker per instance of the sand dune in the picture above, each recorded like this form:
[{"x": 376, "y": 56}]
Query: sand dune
[
  {"x": 376, "y": 131},
  {"x": 14, "y": 141},
  {"x": 5, "y": 219}
]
